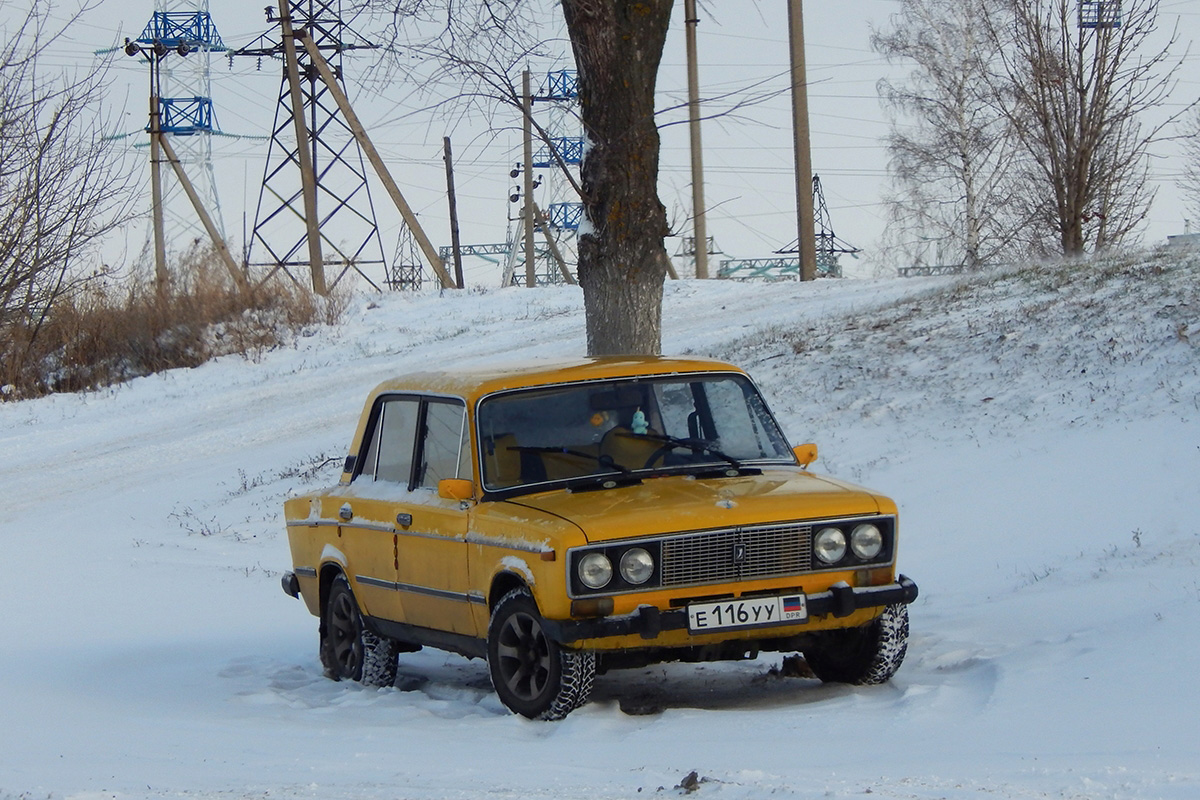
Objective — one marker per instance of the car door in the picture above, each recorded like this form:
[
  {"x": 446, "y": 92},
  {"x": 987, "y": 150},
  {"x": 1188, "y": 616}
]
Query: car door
[
  {"x": 368, "y": 534},
  {"x": 432, "y": 561},
  {"x": 416, "y": 442}
]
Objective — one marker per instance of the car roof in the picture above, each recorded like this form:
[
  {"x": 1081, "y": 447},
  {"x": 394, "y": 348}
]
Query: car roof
[{"x": 474, "y": 381}]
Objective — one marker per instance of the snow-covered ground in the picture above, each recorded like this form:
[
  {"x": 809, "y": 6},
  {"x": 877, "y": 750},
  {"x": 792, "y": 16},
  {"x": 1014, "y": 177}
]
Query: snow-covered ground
[{"x": 1040, "y": 430}]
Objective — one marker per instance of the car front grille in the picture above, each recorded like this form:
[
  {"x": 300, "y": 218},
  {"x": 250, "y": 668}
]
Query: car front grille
[{"x": 737, "y": 554}]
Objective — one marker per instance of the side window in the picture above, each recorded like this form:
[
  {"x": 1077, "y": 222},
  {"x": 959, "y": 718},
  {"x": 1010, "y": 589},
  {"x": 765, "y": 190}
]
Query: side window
[
  {"x": 443, "y": 454},
  {"x": 390, "y": 455}
]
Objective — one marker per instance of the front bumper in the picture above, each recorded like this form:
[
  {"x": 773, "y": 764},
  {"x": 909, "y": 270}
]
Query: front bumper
[{"x": 840, "y": 600}]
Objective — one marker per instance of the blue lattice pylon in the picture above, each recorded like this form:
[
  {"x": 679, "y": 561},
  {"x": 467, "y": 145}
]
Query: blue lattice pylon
[
  {"x": 569, "y": 149},
  {"x": 184, "y": 116},
  {"x": 560, "y": 84},
  {"x": 565, "y": 215},
  {"x": 1099, "y": 13},
  {"x": 191, "y": 28}
]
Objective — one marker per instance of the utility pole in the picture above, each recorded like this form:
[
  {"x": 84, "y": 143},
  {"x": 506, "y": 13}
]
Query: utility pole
[
  {"x": 308, "y": 178},
  {"x": 698, "y": 220},
  {"x": 527, "y": 168},
  {"x": 454, "y": 239},
  {"x": 806, "y": 222},
  {"x": 162, "y": 278}
]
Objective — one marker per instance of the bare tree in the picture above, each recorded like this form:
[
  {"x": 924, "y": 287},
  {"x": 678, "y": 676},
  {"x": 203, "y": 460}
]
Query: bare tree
[
  {"x": 62, "y": 182},
  {"x": 951, "y": 149},
  {"x": 617, "y": 46},
  {"x": 1080, "y": 77}
]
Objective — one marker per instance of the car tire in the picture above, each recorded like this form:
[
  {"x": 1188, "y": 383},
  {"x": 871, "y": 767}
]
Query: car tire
[
  {"x": 533, "y": 675},
  {"x": 349, "y": 650},
  {"x": 865, "y": 656}
]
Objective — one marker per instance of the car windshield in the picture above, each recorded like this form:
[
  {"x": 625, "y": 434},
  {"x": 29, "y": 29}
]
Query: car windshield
[{"x": 623, "y": 428}]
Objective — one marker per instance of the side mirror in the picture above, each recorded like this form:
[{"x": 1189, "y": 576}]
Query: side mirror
[
  {"x": 456, "y": 489},
  {"x": 805, "y": 454}
]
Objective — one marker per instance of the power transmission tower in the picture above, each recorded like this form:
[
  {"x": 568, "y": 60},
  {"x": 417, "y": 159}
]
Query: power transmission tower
[
  {"x": 558, "y": 221},
  {"x": 304, "y": 221},
  {"x": 408, "y": 271},
  {"x": 690, "y": 255},
  {"x": 182, "y": 84},
  {"x": 178, "y": 34},
  {"x": 826, "y": 244}
]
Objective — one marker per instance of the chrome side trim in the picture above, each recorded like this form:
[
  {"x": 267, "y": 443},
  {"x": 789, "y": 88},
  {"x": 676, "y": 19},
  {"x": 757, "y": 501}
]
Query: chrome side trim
[
  {"x": 369, "y": 526},
  {"x": 378, "y": 583},
  {"x": 424, "y": 535},
  {"x": 305, "y": 572},
  {"x": 507, "y": 544},
  {"x": 377, "y": 526}
]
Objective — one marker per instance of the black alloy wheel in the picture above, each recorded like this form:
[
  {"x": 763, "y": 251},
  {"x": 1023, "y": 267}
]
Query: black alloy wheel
[
  {"x": 532, "y": 674},
  {"x": 349, "y": 650}
]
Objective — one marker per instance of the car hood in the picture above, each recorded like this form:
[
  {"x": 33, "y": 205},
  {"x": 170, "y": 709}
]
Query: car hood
[{"x": 681, "y": 503}]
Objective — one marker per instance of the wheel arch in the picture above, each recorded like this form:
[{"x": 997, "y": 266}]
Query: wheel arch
[
  {"x": 330, "y": 571},
  {"x": 504, "y": 582}
]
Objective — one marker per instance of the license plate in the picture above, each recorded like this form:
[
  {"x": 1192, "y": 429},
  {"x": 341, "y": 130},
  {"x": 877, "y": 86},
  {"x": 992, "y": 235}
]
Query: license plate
[{"x": 748, "y": 612}]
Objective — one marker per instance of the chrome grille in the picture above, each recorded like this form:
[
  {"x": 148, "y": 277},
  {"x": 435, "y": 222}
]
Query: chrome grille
[{"x": 737, "y": 554}]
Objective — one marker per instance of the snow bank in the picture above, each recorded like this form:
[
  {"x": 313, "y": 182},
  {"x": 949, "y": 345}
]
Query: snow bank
[{"x": 1038, "y": 427}]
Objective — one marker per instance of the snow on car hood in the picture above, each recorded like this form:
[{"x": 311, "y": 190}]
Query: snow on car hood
[{"x": 683, "y": 503}]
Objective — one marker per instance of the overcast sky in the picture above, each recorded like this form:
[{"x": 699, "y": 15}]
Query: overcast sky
[{"x": 748, "y": 158}]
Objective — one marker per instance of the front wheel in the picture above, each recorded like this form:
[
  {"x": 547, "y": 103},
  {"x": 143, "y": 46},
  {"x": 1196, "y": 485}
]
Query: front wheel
[
  {"x": 349, "y": 650},
  {"x": 865, "y": 656},
  {"x": 532, "y": 674}
]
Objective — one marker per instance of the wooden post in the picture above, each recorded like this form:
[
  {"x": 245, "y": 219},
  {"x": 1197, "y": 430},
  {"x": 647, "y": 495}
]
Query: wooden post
[
  {"x": 308, "y": 176},
  {"x": 527, "y": 209},
  {"x": 455, "y": 247},
  {"x": 219, "y": 245},
  {"x": 699, "y": 225},
  {"x": 806, "y": 223},
  {"x": 553, "y": 245},
  {"x": 162, "y": 278},
  {"x": 360, "y": 133}
]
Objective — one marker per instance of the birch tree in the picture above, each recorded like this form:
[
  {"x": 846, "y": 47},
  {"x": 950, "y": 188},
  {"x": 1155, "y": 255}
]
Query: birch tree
[{"x": 950, "y": 146}]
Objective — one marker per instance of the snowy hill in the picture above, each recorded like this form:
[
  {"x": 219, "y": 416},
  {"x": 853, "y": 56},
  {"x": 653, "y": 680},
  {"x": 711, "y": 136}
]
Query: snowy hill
[{"x": 1040, "y": 429}]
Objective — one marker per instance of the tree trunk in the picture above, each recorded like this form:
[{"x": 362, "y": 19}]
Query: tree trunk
[{"x": 622, "y": 261}]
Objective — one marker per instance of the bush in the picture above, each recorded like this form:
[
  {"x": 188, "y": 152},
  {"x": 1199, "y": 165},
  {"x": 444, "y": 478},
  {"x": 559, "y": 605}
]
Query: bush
[{"x": 104, "y": 334}]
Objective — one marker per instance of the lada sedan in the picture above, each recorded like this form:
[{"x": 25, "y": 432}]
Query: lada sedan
[{"x": 563, "y": 519}]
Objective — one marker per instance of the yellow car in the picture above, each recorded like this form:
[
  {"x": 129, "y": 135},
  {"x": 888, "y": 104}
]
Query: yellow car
[{"x": 563, "y": 519}]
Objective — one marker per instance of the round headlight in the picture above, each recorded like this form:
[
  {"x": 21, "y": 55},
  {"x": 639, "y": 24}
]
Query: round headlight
[
  {"x": 595, "y": 570},
  {"x": 830, "y": 545},
  {"x": 866, "y": 541},
  {"x": 637, "y": 566}
]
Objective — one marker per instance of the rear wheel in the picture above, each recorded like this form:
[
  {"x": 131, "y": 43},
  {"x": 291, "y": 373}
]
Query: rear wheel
[
  {"x": 532, "y": 674},
  {"x": 865, "y": 656},
  {"x": 349, "y": 650}
]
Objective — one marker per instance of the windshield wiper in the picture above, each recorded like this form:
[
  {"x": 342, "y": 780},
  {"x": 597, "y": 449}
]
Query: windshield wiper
[
  {"x": 605, "y": 460},
  {"x": 695, "y": 445}
]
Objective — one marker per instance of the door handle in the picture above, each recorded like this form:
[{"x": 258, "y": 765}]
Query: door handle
[
  {"x": 345, "y": 512},
  {"x": 404, "y": 520}
]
